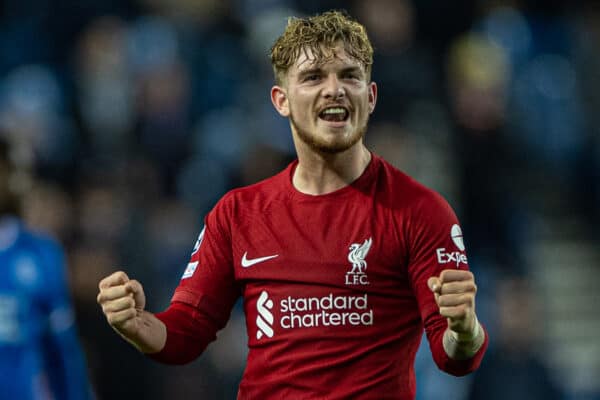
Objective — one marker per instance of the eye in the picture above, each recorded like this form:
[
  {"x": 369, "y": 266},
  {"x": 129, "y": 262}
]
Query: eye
[
  {"x": 350, "y": 75},
  {"x": 311, "y": 77}
]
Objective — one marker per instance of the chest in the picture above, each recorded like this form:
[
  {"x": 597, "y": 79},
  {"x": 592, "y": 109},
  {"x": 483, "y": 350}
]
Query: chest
[{"x": 353, "y": 245}]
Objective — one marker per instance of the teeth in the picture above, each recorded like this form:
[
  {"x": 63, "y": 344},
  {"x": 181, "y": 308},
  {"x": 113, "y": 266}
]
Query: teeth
[{"x": 334, "y": 111}]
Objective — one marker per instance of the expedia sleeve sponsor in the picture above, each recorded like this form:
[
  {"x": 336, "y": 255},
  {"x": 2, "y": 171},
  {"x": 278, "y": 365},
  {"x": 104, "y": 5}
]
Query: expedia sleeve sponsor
[
  {"x": 446, "y": 256},
  {"x": 454, "y": 257}
]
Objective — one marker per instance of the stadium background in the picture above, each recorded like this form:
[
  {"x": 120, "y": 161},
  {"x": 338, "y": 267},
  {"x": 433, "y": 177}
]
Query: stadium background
[{"x": 136, "y": 116}]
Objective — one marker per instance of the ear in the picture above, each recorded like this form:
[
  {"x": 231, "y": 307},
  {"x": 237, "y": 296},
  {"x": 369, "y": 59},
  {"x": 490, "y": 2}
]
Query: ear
[
  {"x": 280, "y": 101},
  {"x": 372, "y": 96}
]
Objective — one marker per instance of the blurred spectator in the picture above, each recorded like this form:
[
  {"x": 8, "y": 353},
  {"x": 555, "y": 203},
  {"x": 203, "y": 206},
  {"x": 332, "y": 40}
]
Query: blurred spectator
[
  {"x": 478, "y": 78},
  {"x": 405, "y": 69},
  {"x": 105, "y": 92},
  {"x": 40, "y": 354},
  {"x": 33, "y": 113},
  {"x": 163, "y": 97},
  {"x": 49, "y": 209},
  {"x": 546, "y": 116}
]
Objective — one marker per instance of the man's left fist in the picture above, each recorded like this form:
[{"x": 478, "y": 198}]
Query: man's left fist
[{"x": 454, "y": 293}]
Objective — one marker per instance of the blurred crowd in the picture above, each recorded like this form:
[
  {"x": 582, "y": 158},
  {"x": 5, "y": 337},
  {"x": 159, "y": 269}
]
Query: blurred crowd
[{"x": 132, "y": 118}]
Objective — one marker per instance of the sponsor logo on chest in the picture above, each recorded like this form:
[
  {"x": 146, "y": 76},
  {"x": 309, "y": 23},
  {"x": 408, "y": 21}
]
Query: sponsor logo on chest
[
  {"x": 328, "y": 310},
  {"x": 311, "y": 312}
]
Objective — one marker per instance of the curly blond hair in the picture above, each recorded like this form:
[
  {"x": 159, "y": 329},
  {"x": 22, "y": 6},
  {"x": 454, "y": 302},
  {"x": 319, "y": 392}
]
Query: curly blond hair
[{"x": 319, "y": 35}]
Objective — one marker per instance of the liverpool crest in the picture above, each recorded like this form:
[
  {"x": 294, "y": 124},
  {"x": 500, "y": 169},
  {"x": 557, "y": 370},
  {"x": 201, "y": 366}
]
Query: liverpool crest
[{"x": 358, "y": 252}]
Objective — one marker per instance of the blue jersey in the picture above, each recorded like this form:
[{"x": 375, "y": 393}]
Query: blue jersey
[{"x": 40, "y": 354}]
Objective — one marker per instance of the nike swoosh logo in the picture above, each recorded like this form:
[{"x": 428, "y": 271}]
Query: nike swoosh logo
[{"x": 250, "y": 262}]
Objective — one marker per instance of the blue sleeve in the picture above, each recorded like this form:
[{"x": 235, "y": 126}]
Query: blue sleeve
[{"x": 66, "y": 366}]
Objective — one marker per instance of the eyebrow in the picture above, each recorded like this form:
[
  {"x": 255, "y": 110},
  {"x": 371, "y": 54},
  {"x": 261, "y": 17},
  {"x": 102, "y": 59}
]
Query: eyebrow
[
  {"x": 310, "y": 71},
  {"x": 352, "y": 69},
  {"x": 319, "y": 70}
]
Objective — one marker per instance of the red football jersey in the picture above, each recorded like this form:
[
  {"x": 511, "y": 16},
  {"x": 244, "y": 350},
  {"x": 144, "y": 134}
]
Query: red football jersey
[{"x": 334, "y": 286}]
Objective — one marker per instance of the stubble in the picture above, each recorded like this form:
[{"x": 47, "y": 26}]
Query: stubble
[{"x": 321, "y": 146}]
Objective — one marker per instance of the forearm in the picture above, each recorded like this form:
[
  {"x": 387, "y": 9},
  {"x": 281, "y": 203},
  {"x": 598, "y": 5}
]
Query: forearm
[
  {"x": 151, "y": 335},
  {"x": 462, "y": 346}
]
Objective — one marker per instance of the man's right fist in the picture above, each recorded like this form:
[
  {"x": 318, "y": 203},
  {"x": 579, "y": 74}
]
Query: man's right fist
[{"x": 122, "y": 301}]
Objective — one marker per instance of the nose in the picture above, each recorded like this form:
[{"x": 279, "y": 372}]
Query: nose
[{"x": 333, "y": 88}]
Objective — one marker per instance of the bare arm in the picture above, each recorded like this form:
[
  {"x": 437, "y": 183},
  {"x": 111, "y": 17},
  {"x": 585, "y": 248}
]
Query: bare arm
[{"x": 123, "y": 301}]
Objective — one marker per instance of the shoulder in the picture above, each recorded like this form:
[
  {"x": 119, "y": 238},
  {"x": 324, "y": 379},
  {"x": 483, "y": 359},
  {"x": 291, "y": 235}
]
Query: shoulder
[
  {"x": 256, "y": 196},
  {"x": 247, "y": 203},
  {"x": 406, "y": 192}
]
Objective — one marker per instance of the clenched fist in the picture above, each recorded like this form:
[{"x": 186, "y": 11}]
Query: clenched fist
[
  {"x": 123, "y": 301},
  {"x": 454, "y": 292}
]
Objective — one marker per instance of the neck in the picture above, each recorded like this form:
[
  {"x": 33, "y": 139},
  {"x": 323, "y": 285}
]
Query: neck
[{"x": 322, "y": 173}]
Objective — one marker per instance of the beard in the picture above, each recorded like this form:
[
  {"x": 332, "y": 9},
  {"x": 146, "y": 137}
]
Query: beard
[{"x": 324, "y": 147}]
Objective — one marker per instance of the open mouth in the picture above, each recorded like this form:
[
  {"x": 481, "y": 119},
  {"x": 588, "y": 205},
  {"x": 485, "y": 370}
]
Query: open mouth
[{"x": 334, "y": 114}]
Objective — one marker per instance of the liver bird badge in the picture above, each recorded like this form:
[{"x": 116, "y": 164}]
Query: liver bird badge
[{"x": 357, "y": 255}]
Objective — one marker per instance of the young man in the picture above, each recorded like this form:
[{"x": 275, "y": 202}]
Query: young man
[
  {"x": 341, "y": 259},
  {"x": 40, "y": 354}
]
